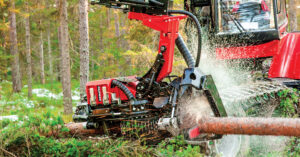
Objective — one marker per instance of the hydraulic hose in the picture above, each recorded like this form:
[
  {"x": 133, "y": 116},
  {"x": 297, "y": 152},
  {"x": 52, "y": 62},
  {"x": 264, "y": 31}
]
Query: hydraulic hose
[
  {"x": 124, "y": 89},
  {"x": 194, "y": 18},
  {"x": 156, "y": 2},
  {"x": 185, "y": 52}
]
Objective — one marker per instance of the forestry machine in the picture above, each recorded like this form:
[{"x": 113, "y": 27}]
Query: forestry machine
[{"x": 157, "y": 103}]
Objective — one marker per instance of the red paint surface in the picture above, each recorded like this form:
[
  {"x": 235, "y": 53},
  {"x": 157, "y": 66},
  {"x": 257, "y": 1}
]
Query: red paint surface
[
  {"x": 168, "y": 27},
  {"x": 286, "y": 63},
  {"x": 194, "y": 132},
  {"x": 285, "y": 53},
  {"x": 255, "y": 51}
]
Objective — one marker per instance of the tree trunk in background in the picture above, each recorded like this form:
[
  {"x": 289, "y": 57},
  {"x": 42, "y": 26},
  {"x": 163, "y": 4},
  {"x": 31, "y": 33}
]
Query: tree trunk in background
[
  {"x": 84, "y": 45},
  {"x": 108, "y": 17},
  {"x": 28, "y": 53},
  {"x": 124, "y": 43},
  {"x": 49, "y": 47},
  {"x": 16, "y": 77},
  {"x": 50, "y": 52},
  {"x": 293, "y": 15},
  {"x": 59, "y": 75},
  {"x": 101, "y": 44},
  {"x": 123, "y": 21},
  {"x": 117, "y": 24},
  {"x": 117, "y": 29},
  {"x": 65, "y": 57},
  {"x": 42, "y": 65},
  {"x": 59, "y": 65}
]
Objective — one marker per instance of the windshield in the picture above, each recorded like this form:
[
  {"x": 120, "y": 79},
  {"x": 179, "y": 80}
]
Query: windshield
[{"x": 236, "y": 16}]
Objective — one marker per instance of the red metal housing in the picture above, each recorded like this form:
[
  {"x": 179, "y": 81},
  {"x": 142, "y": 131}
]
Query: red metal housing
[
  {"x": 168, "y": 27},
  {"x": 102, "y": 90},
  {"x": 285, "y": 53}
]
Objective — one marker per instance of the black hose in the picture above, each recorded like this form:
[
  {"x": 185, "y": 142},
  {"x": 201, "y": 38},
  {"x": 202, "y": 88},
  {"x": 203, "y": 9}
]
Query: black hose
[
  {"x": 124, "y": 89},
  {"x": 156, "y": 2},
  {"x": 194, "y": 18},
  {"x": 185, "y": 52}
]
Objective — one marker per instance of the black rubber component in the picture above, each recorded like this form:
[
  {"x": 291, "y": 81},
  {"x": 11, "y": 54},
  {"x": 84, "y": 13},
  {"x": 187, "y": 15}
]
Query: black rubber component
[
  {"x": 124, "y": 89},
  {"x": 194, "y": 18},
  {"x": 185, "y": 52},
  {"x": 156, "y": 2}
]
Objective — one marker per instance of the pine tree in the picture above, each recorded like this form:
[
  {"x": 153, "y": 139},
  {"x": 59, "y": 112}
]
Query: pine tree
[
  {"x": 84, "y": 45},
  {"x": 65, "y": 57},
  {"x": 28, "y": 52},
  {"x": 16, "y": 76}
]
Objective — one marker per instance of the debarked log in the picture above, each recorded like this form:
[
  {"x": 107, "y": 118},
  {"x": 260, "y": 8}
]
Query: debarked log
[{"x": 247, "y": 126}]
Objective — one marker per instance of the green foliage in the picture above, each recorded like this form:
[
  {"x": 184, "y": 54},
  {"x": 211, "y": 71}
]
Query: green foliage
[
  {"x": 28, "y": 135},
  {"x": 178, "y": 147},
  {"x": 289, "y": 102},
  {"x": 293, "y": 149}
]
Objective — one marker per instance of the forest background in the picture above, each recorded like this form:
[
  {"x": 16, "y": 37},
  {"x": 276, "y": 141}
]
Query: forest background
[
  {"x": 59, "y": 41},
  {"x": 53, "y": 47}
]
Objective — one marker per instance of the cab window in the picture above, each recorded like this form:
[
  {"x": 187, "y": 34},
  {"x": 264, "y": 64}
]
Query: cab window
[{"x": 236, "y": 16}]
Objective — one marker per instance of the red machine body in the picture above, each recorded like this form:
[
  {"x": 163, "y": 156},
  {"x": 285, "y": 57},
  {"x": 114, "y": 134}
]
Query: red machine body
[
  {"x": 101, "y": 92},
  {"x": 285, "y": 53},
  {"x": 275, "y": 42}
]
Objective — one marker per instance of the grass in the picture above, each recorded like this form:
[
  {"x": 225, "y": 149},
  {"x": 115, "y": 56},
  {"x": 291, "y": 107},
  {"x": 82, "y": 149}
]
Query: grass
[{"x": 18, "y": 103}]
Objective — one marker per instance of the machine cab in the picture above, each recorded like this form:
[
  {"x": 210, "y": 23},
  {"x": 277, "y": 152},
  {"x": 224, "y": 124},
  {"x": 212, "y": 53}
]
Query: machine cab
[{"x": 249, "y": 22}]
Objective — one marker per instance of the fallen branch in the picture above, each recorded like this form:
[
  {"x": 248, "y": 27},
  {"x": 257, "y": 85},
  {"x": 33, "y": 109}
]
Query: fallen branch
[{"x": 7, "y": 152}]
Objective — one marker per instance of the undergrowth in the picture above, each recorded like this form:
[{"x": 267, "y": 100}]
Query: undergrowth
[
  {"x": 45, "y": 135},
  {"x": 289, "y": 104},
  {"x": 290, "y": 107},
  {"x": 39, "y": 131}
]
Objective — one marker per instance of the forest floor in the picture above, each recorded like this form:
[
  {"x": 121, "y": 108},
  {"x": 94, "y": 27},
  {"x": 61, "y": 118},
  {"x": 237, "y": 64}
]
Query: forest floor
[{"x": 25, "y": 125}]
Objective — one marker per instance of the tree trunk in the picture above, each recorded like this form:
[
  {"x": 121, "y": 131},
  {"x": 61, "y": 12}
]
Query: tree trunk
[
  {"x": 50, "y": 59},
  {"x": 293, "y": 15},
  {"x": 124, "y": 43},
  {"x": 59, "y": 67},
  {"x": 123, "y": 22},
  {"x": 65, "y": 57},
  {"x": 16, "y": 77},
  {"x": 84, "y": 45},
  {"x": 101, "y": 44},
  {"x": 50, "y": 52},
  {"x": 28, "y": 53},
  {"x": 117, "y": 29},
  {"x": 117, "y": 24},
  {"x": 42, "y": 65},
  {"x": 108, "y": 17}
]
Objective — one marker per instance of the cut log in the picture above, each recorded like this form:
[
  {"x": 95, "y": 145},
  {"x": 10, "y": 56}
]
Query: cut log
[{"x": 247, "y": 126}]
